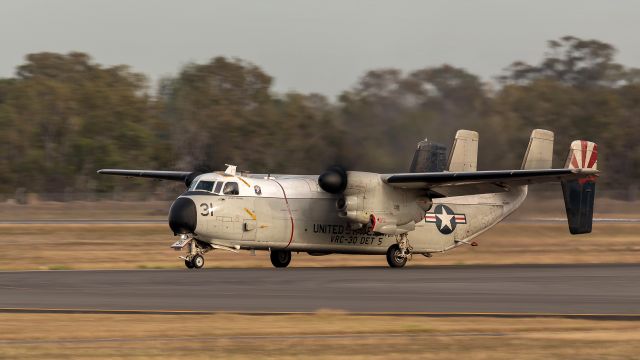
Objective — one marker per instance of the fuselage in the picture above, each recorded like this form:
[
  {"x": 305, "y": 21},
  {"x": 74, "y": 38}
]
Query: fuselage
[{"x": 293, "y": 213}]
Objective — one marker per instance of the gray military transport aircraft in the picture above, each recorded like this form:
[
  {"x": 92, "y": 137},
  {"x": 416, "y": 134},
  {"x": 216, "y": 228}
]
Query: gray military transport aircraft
[{"x": 433, "y": 208}]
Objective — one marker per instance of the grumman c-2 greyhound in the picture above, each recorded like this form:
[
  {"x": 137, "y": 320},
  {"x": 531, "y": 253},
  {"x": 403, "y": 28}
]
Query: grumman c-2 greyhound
[{"x": 425, "y": 211}]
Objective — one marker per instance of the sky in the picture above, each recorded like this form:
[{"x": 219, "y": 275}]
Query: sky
[{"x": 312, "y": 46}]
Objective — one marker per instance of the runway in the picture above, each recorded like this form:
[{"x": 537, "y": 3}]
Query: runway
[{"x": 521, "y": 289}]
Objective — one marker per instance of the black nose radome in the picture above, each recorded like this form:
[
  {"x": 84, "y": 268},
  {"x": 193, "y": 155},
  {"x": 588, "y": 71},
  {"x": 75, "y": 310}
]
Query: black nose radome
[{"x": 182, "y": 216}]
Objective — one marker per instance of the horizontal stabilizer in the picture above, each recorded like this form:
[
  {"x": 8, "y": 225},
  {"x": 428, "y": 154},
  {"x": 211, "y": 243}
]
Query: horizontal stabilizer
[{"x": 481, "y": 182}]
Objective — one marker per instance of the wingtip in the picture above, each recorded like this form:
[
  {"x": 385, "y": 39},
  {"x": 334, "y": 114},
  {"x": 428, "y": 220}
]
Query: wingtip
[{"x": 586, "y": 171}]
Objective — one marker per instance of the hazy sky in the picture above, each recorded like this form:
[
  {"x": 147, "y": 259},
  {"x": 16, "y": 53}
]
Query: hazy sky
[{"x": 312, "y": 46}]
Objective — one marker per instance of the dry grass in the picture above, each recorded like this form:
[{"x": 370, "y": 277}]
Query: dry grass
[
  {"x": 59, "y": 247},
  {"x": 101, "y": 210},
  {"x": 314, "y": 336}
]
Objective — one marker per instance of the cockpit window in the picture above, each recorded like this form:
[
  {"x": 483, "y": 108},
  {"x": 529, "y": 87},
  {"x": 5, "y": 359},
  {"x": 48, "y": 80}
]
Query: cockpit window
[
  {"x": 204, "y": 185},
  {"x": 218, "y": 187},
  {"x": 231, "y": 188}
]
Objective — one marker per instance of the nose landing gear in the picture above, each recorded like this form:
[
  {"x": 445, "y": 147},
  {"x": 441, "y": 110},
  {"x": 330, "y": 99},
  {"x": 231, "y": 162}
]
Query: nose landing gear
[{"x": 194, "y": 258}]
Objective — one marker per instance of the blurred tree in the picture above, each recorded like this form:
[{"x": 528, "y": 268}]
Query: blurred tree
[
  {"x": 387, "y": 113},
  {"x": 571, "y": 61},
  {"x": 223, "y": 111},
  {"x": 68, "y": 117},
  {"x": 63, "y": 116},
  {"x": 580, "y": 92}
]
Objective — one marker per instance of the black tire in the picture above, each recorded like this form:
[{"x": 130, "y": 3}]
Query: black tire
[
  {"x": 393, "y": 257},
  {"x": 280, "y": 258},
  {"x": 197, "y": 261},
  {"x": 188, "y": 264}
]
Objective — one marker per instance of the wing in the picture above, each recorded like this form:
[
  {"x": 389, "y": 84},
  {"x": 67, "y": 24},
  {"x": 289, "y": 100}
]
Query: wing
[
  {"x": 444, "y": 184},
  {"x": 184, "y": 176}
]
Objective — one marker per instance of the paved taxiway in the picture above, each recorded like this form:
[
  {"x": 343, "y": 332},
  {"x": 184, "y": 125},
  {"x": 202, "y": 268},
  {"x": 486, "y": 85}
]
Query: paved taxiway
[{"x": 575, "y": 289}]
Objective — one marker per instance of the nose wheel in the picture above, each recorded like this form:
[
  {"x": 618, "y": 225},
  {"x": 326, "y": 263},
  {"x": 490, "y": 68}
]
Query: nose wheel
[{"x": 196, "y": 262}]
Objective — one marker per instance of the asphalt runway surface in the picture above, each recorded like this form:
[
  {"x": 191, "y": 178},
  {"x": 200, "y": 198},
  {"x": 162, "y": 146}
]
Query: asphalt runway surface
[{"x": 521, "y": 289}]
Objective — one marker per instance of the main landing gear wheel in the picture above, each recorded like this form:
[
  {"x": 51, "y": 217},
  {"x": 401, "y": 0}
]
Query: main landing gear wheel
[
  {"x": 280, "y": 258},
  {"x": 395, "y": 257},
  {"x": 188, "y": 264}
]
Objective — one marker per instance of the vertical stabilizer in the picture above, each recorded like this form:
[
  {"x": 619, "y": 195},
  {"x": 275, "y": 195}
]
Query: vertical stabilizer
[
  {"x": 464, "y": 152},
  {"x": 539, "y": 153},
  {"x": 429, "y": 157},
  {"x": 579, "y": 194}
]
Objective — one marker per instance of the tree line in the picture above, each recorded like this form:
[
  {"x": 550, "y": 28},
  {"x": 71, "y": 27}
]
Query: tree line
[{"x": 62, "y": 116}]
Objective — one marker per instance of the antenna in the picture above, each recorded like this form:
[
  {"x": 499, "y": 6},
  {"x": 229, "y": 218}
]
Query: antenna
[{"x": 231, "y": 170}]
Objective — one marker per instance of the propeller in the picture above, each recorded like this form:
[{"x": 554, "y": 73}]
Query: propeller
[
  {"x": 199, "y": 169},
  {"x": 192, "y": 176},
  {"x": 333, "y": 180}
]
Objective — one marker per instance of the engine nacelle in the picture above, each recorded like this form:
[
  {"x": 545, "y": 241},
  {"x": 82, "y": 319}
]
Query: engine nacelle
[{"x": 368, "y": 202}]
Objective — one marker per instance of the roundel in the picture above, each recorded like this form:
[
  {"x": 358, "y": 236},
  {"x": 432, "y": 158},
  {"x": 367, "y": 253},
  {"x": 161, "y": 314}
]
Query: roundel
[{"x": 445, "y": 219}]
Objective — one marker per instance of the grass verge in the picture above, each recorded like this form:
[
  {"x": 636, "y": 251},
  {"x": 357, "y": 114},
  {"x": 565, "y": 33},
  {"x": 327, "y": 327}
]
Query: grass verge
[
  {"x": 314, "y": 336},
  {"x": 61, "y": 247}
]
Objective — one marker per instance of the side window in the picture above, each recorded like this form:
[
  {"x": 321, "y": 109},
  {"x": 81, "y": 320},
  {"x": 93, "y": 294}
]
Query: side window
[
  {"x": 218, "y": 187},
  {"x": 204, "y": 185},
  {"x": 231, "y": 188}
]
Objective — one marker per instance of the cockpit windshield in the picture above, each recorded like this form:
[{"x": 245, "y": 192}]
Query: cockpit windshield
[
  {"x": 204, "y": 185},
  {"x": 218, "y": 187},
  {"x": 231, "y": 188}
]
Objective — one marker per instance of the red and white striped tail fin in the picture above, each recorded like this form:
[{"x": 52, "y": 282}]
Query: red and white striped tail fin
[
  {"x": 579, "y": 194},
  {"x": 582, "y": 155}
]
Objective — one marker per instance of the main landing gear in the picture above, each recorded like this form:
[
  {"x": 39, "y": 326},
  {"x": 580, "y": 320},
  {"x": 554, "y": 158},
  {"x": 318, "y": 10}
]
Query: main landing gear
[
  {"x": 280, "y": 258},
  {"x": 399, "y": 253}
]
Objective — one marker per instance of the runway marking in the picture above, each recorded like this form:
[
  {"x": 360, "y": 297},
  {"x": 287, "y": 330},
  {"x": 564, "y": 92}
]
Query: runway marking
[{"x": 634, "y": 317}]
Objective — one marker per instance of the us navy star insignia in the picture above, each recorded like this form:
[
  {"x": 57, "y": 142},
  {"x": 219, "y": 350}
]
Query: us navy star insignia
[{"x": 445, "y": 219}]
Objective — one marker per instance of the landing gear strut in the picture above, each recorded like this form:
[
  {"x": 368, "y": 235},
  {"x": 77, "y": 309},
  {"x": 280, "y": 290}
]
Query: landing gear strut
[{"x": 280, "y": 258}]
